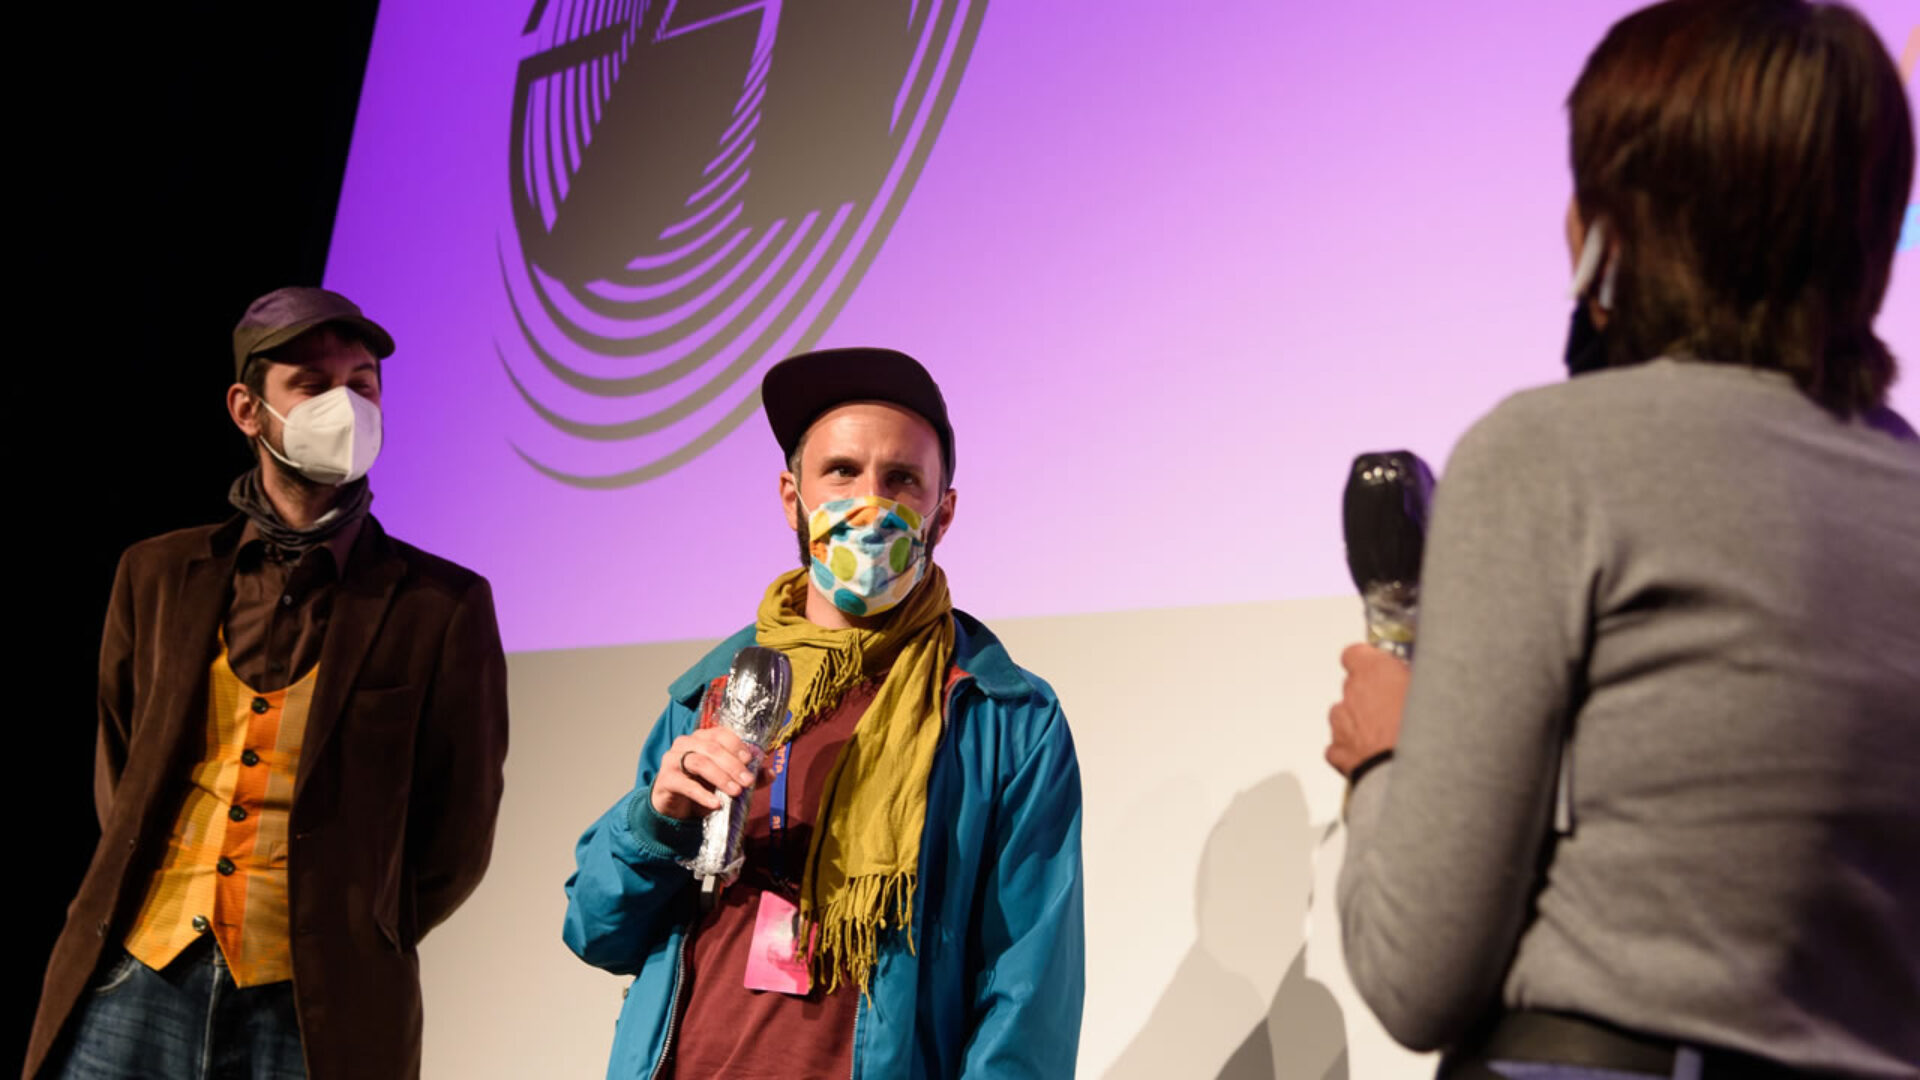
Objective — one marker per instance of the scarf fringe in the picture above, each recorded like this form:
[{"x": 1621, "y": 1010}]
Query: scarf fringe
[
  {"x": 849, "y": 932},
  {"x": 861, "y": 868}
]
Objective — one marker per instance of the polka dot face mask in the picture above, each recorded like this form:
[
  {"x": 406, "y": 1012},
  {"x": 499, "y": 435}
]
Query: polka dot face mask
[{"x": 868, "y": 552}]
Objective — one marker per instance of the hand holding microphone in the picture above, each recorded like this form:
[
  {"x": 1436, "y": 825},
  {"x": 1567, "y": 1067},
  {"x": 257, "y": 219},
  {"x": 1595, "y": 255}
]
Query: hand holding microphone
[
  {"x": 1385, "y": 511},
  {"x": 1365, "y": 722}
]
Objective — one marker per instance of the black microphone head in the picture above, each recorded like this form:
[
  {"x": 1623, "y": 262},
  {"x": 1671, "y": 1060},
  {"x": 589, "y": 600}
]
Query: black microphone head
[
  {"x": 759, "y": 685},
  {"x": 1384, "y": 512}
]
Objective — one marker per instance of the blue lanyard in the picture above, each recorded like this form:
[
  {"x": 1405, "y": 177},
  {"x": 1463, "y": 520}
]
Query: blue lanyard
[
  {"x": 777, "y": 816},
  {"x": 777, "y": 794}
]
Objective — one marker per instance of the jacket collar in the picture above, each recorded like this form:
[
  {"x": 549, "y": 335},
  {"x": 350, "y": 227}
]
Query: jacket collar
[
  {"x": 224, "y": 541},
  {"x": 360, "y": 602}
]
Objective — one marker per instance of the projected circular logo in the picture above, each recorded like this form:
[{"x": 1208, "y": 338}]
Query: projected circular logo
[{"x": 697, "y": 189}]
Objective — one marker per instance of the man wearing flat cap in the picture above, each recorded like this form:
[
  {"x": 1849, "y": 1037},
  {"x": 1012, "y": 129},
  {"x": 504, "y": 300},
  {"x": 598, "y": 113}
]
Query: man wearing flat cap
[
  {"x": 302, "y": 727},
  {"x": 910, "y": 901}
]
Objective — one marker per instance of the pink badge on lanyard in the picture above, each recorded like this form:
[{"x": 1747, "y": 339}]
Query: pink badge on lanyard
[{"x": 773, "y": 963}]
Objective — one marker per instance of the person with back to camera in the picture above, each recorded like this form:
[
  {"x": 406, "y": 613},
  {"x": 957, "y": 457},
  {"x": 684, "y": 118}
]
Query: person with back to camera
[{"x": 1647, "y": 804}]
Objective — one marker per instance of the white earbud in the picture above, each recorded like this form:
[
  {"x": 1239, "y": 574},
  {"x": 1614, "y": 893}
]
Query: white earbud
[{"x": 1593, "y": 252}]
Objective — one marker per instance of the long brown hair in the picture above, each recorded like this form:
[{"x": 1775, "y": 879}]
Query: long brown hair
[{"x": 1753, "y": 159}]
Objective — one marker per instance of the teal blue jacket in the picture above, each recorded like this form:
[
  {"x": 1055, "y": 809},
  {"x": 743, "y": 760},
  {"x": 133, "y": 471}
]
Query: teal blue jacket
[{"x": 993, "y": 984}]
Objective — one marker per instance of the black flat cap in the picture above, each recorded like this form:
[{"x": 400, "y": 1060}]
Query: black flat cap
[
  {"x": 285, "y": 314},
  {"x": 799, "y": 389}
]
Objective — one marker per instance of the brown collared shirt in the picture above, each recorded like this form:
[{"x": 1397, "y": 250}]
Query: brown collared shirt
[{"x": 277, "y": 617}]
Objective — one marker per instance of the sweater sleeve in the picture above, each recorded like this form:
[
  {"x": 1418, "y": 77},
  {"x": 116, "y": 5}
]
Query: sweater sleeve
[{"x": 1446, "y": 839}]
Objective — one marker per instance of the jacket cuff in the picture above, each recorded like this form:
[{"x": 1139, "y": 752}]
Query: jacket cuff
[
  {"x": 658, "y": 835},
  {"x": 1362, "y": 804}
]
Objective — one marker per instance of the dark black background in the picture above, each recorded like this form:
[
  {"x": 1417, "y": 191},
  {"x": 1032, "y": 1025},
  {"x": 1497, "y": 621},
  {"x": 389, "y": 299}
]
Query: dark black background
[{"x": 168, "y": 163}]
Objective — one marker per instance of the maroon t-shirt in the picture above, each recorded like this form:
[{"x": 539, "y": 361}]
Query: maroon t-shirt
[{"x": 725, "y": 1029}]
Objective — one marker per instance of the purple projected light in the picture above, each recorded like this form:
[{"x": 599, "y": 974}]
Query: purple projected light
[
  {"x": 696, "y": 187},
  {"x": 1156, "y": 254}
]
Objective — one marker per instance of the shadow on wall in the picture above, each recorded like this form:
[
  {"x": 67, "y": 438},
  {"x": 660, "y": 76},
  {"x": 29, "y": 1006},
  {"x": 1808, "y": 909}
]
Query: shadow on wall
[{"x": 1240, "y": 1002}]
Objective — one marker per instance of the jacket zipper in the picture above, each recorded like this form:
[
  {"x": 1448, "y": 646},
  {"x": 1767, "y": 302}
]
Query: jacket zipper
[
  {"x": 853, "y": 1059},
  {"x": 673, "y": 1005}
]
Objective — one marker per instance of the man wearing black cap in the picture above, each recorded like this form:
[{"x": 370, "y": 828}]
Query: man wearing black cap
[
  {"x": 302, "y": 726},
  {"x": 910, "y": 903}
]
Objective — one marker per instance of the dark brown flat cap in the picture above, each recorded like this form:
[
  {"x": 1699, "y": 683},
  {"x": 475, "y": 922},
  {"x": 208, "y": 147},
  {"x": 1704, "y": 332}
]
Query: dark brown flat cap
[{"x": 285, "y": 314}]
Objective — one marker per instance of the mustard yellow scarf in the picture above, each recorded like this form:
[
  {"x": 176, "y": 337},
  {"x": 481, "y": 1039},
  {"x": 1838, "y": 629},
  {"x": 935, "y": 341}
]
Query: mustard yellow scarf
[{"x": 864, "y": 858}]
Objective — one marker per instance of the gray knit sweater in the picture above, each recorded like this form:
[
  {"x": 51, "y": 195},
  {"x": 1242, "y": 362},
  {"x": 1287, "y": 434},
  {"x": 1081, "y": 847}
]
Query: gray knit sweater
[{"x": 1712, "y": 587}]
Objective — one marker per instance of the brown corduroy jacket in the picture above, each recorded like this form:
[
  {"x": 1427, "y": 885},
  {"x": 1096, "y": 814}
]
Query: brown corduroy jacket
[{"x": 394, "y": 805}]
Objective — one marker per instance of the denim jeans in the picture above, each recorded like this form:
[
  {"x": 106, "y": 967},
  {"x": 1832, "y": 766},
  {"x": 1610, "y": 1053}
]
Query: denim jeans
[{"x": 187, "y": 1021}]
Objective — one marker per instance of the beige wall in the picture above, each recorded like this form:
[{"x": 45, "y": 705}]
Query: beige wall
[{"x": 1212, "y": 945}]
